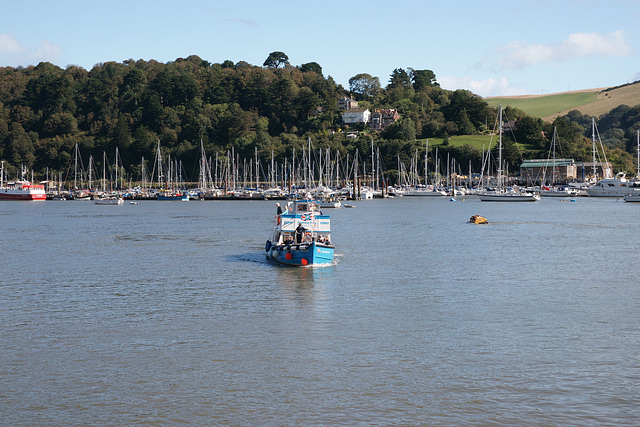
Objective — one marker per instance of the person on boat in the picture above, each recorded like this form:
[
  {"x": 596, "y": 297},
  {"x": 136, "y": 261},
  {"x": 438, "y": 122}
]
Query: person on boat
[
  {"x": 299, "y": 233},
  {"x": 278, "y": 209}
]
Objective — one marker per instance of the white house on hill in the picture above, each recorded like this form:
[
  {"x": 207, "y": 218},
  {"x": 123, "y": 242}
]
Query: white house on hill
[{"x": 352, "y": 117}]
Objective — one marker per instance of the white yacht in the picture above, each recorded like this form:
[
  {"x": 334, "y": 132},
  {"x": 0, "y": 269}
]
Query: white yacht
[{"x": 619, "y": 186}]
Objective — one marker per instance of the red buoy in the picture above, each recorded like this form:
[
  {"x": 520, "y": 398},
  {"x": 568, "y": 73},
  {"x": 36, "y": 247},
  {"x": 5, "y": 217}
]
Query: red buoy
[
  {"x": 288, "y": 256},
  {"x": 304, "y": 261}
]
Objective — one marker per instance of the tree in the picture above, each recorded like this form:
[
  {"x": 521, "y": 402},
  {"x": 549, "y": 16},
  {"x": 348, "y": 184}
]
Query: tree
[
  {"x": 20, "y": 147},
  {"x": 404, "y": 130},
  {"x": 463, "y": 100},
  {"x": 422, "y": 79},
  {"x": 399, "y": 86},
  {"x": 311, "y": 67},
  {"x": 529, "y": 131},
  {"x": 570, "y": 134},
  {"x": 276, "y": 60},
  {"x": 465, "y": 127},
  {"x": 365, "y": 85},
  {"x": 399, "y": 78}
]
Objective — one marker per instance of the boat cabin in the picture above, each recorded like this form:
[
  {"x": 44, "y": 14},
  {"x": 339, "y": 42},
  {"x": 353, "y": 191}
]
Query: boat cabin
[{"x": 303, "y": 222}]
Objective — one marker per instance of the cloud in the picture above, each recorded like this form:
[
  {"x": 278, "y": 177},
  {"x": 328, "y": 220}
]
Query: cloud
[
  {"x": 518, "y": 55},
  {"x": 484, "y": 88},
  {"x": 13, "y": 53}
]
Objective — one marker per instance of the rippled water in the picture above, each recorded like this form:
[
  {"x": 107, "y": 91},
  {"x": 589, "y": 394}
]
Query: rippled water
[{"x": 166, "y": 313}]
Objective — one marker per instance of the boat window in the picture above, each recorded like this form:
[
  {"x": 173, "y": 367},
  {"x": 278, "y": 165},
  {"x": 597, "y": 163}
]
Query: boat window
[{"x": 302, "y": 207}]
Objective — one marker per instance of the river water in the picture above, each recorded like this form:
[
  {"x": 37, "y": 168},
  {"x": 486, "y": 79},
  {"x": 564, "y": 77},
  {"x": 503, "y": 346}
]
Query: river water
[{"x": 168, "y": 313}]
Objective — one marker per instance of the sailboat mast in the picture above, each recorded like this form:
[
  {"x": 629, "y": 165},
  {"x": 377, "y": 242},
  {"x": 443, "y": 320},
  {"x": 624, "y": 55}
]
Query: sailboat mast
[
  {"x": 500, "y": 148},
  {"x": 593, "y": 143},
  {"x": 309, "y": 167},
  {"x": 104, "y": 171},
  {"x": 553, "y": 164},
  {"x": 90, "y": 178},
  {"x": 116, "y": 162},
  {"x": 638, "y": 151},
  {"x": 426, "y": 163},
  {"x": 75, "y": 170}
]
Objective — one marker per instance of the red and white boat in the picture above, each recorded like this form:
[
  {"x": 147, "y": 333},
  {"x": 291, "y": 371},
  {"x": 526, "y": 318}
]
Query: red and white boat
[{"x": 22, "y": 190}]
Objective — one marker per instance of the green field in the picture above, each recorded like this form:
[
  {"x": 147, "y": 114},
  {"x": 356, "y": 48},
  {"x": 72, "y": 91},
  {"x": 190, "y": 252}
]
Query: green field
[
  {"x": 544, "y": 106},
  {"x": 476, "y": 141}
]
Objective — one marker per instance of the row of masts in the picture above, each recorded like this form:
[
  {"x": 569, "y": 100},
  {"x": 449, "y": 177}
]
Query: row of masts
[{"x": 310, "y": 169}]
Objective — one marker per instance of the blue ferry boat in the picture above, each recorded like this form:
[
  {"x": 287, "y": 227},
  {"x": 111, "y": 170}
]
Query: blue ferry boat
[{"x": 302, "y": 235}]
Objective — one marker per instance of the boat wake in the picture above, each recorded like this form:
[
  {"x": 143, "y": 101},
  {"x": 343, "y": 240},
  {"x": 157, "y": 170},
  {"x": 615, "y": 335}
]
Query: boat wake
[
  {"x": 256, "y": 257},
  {"x": 200, "y": 240}
]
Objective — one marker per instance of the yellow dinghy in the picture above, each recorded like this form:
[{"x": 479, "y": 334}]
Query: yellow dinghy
[{"x": 477, "y": 219}]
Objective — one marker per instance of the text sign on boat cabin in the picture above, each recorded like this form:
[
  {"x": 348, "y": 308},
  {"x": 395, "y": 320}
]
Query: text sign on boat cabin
[{"x": 313, "y": 222}]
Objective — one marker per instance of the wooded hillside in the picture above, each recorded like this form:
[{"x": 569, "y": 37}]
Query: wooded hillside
[{"x": 270, "y": 110}]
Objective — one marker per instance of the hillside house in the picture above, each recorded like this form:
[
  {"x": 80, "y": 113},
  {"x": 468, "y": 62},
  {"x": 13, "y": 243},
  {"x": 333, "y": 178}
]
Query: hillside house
[
  {"x": 381, "y": 119},
  {"x": 347, "y": 104},
  {"x": 354, "y": 117}
]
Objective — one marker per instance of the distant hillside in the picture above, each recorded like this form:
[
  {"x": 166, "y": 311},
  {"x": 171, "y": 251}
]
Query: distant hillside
[{"x": 594, "y": 102}]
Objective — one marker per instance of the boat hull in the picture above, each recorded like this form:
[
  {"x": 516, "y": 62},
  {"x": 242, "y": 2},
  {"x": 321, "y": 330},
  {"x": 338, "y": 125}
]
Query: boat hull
[
  {"x": 22, "y": 195},
  {"x": 109, "y": 202},
  {"x": 419, "y": 193},
  {"x": 301, "y": 254},
  {"x": 616, "y": 192},
  {"x": 509, "y": 198}
]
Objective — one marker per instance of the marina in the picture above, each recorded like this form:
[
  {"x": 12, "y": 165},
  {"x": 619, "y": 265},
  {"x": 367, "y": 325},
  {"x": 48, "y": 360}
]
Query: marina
[{"x": 165, "y": 313}]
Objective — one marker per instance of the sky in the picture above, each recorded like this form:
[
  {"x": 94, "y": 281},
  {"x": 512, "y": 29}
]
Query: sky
[{"x": 492, "y": 48}]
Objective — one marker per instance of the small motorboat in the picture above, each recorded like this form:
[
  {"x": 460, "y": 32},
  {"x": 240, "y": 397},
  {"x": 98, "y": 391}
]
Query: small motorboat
[
  {"x": 302, "y": 235},
  {"x": 109, "y": 201},
  {"x": 477, "y": 219}
]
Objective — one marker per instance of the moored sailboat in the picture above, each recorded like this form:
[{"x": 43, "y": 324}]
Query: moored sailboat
[{"x": 501, "y": 194}]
